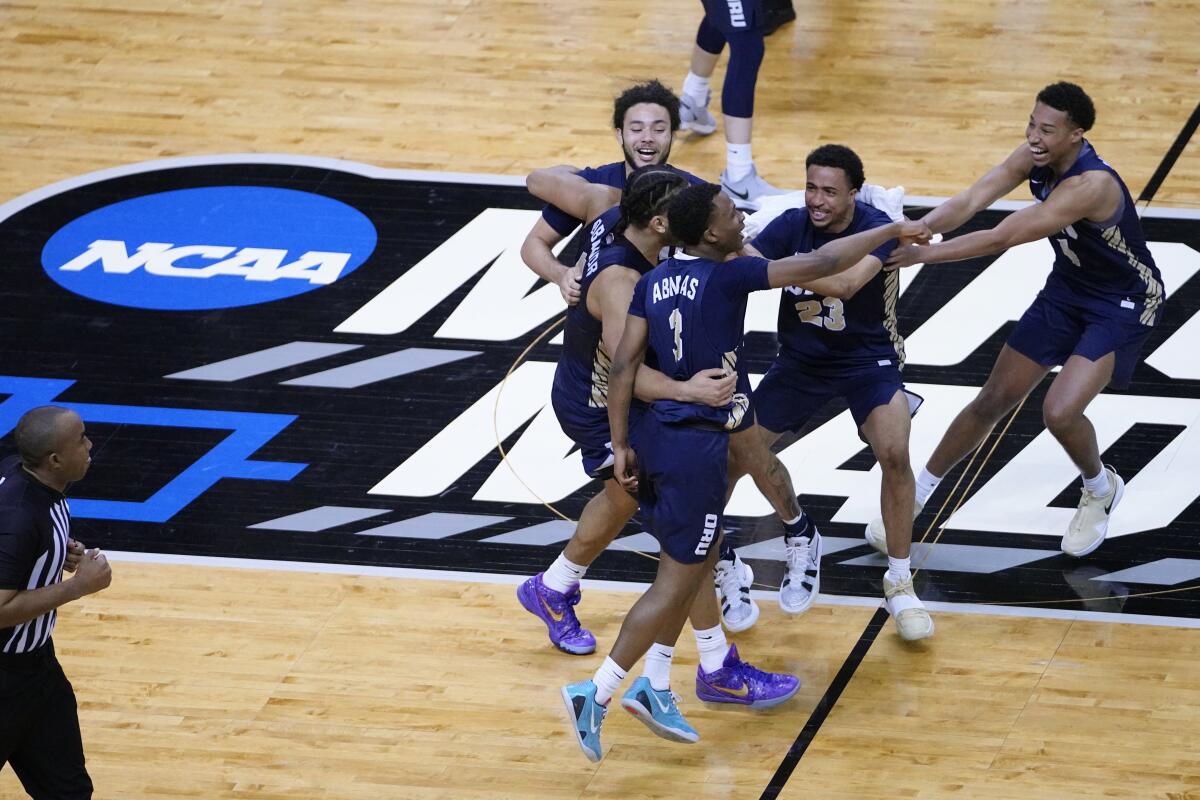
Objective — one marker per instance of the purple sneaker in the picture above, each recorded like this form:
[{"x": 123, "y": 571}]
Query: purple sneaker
[
  {"x": 738, "y": 682},
  {"x": 556, "y": 610}
]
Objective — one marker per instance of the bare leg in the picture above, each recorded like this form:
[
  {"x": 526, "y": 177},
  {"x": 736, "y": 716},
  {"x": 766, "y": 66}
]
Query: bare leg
[
  {"x": 602, "y": 519},
  {"x": 738, "y": 129},
  {"x": 750, "y": 453},
  {"x": 705, "y": 613},
  {"x": 1070, "y": 393},
  {"x": 886, "y": 430},
  {"x": 1013, "y": 377},
  {"x": 703, "y": 62},
  {"x": 659, "y": 614}
]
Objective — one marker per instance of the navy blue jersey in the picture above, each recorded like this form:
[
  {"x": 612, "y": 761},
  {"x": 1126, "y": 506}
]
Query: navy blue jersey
[
  {"x": 581, "y": 379},
  {"x": 607, "y": 175},
  {"x": 695, "y": 310},
  {"x": 827, "y": 334},
  {"x": 1105, "y": 264}
]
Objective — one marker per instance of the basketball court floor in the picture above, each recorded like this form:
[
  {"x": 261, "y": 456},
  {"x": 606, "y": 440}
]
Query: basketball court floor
[{"x": 270, "y": 253}]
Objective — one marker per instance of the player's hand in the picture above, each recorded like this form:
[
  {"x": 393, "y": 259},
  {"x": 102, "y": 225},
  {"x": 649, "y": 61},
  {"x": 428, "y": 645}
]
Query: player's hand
[
  {"x": 905, "y": 255},
  {"x": 711, "y": 387},
  {"x": 93, "y": 572},
  {"x": 74, "y": 554},
  {"x": 568, "y": 284},
  {"x": 915, "y": 232},
  {"x": 625, "y": 468}
]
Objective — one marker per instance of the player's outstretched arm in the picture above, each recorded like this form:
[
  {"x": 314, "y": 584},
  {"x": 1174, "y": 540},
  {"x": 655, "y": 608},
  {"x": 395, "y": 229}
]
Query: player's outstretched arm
[
  {"x": 843, "y": 285},
  {"x": 997, "y": 182},
  {"x": 840, "y": 254},
  {"x": 1079, "y": 197},
  {"x": 562, "y": 187}
]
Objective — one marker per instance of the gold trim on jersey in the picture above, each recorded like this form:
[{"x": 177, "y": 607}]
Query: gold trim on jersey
[
  {"x": 1154, "y": 290},
  {"x": 741, "y": 402},
  {"x": 891, "y": 295},
  {"x": 601, "y": 365},
  {"x": 729, "y": 361}
]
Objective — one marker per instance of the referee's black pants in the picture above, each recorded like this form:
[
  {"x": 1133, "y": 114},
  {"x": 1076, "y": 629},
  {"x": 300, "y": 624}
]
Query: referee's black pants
[{"x": 39, "y": 727}]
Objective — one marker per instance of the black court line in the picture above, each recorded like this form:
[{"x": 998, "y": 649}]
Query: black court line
[
  {"x": 826, "y": 704},
  {"x": 1160, "y": 174}
]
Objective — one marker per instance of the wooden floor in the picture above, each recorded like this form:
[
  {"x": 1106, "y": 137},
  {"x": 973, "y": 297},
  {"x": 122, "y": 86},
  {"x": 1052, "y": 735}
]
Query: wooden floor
[
  {"x": 220, "y": 683},
  {"x": 929, "y": 93},
  {"x": 212, "y": 683}
]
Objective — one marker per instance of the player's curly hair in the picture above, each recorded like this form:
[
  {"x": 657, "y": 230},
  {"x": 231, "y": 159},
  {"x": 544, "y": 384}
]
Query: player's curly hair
[
  {"x": 649, "y": 92},
  {"x": 1072, "y": 99},
  {"x": 689, "y": 212},
  {"x": 840, "y": 157},
  {"x": 648, "y": 192}
]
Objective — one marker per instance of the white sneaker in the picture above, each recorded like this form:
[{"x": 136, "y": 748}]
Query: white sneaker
[
  {"x": 803, "y": 578},
  {"x": 733, "y": 579},
  {"x": 912, "y": 620},
  {"x": 748, "y": 191},
  {"x": 1089, "y": 526},
  {"x": 876, "y": 534},
  {"x": 696, "y": 117}
]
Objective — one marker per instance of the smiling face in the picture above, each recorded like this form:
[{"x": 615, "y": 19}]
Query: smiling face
[
  {"x": 1052, "y": 136},
  {"x": 829, "y": 198},
  {"x": 645, "y": 135}
]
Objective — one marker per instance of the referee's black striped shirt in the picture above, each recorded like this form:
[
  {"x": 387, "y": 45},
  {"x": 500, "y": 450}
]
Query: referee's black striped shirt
[{"x": 35, "y": 523}]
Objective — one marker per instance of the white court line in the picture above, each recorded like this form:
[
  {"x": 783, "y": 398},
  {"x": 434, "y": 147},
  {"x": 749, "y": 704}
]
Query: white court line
[
  {"x": 385, "y": 173},
  {"x": 622, "y": 586}
]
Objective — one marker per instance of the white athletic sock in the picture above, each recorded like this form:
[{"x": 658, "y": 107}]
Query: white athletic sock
[
  {"x": 926, "y": 483},
  {"x": 738, "y": 161},
  {"x": 713, "y": 648},
  {"x": 657, "y": 667},
  {"x": 1098, "y": 485},
  {"x": 608, "y": 679},
  {"x": 899, "y": 569},
  {"x": 563, "y": 575},
  {"x": 696, "y": 88}
]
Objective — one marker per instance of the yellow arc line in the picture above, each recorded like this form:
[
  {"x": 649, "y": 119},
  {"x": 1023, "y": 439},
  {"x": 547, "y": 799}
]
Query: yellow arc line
[
  {"x": 500, "y": 445},
  {"x": 961, "y": 498}
]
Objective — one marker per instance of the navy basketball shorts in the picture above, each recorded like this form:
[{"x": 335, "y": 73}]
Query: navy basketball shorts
[
  {"x": 681, "y": 485},
  {"x": 733, "y": 16},
  {"x": 589, "y": 429},
  {"x": 788, "y": 397},
  {"x": 1050, "y": 332}
]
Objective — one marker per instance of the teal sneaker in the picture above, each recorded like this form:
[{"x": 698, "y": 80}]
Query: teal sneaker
[
  {"x": 657, "y": 710},
  {"x": 586, "y": 717}
]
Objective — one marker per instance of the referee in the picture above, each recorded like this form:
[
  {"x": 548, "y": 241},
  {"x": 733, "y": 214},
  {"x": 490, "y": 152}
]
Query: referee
[{"x": 39, "y": 724}]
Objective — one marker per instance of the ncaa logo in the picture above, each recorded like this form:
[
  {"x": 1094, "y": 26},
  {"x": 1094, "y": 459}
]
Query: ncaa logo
[{"x": 207, "y": 248}]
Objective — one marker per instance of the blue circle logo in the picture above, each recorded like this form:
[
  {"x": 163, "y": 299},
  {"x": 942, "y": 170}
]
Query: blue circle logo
[{"x": 214, "y": 247}]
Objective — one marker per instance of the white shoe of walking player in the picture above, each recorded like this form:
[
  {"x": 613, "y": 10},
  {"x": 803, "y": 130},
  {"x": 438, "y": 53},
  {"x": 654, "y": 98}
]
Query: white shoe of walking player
[
  {"x": 912, "y": 620},
  {"x": 803, "y": 578},
  {"x": 696, "y": 117},
  {"x": 1089, "y": 526},
  {"x": 733, "y": 580}
]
